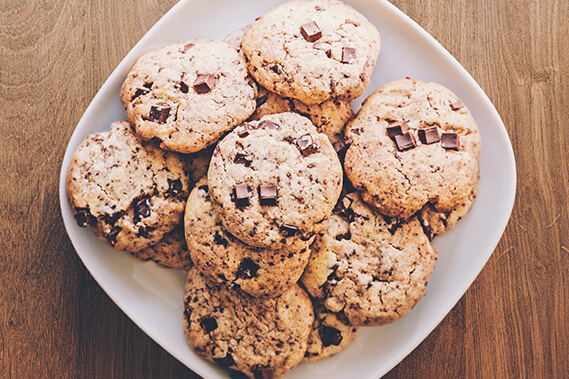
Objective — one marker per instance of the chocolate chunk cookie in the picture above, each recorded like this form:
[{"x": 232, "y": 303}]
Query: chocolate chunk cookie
[
  {"x": 226, "y": 260},
  {"x": 131, "y": 192},
  {"x": 329, "y": 117},
  {"x": 372, "y": 268},
  {"x": 331, "y": 333},
  {"x": 262, "y": 338},
  {"x": 274, "y": 182},
  {"x": 171, "y": 251},
  {"x": 188, "y": 94},
  {"x": 312, "y": 50},
  {"x": 414, "y": 143}
]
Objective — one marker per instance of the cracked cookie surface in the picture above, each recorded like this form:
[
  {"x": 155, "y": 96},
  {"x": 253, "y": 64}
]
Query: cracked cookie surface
[
  {"x": 131, "y": 192},
  {"x": 188, "y": 94},
  {"x": 401, "y": 158},
  {"x": 372, "y": 268},
  {"x": 274, "y": 182},
  {"x": 260, "y": 337},
  {"x": 226, "y": 260},
  {"x": 312, "y": 50}
]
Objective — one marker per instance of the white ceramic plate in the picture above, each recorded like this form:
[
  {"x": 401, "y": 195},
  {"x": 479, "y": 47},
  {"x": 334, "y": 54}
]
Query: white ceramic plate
[{"x": 152, "y": 296}]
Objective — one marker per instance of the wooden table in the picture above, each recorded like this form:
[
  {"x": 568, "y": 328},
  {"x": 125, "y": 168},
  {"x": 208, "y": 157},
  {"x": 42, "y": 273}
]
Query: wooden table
[{"x": 55, "y": 321}]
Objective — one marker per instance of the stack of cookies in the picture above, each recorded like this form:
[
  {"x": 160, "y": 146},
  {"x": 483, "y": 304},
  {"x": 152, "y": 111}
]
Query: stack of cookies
[{"x": 297, "y": 221}]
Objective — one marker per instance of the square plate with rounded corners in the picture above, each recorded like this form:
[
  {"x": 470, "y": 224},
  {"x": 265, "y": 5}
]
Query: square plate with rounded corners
[{"x": 152, "y": 296}]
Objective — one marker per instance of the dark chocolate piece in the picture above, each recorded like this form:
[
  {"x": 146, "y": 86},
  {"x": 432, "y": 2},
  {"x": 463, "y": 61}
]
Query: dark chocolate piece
[
  {"x": 243, "y": 158},
  {"x": 348, "y": 53},
  {"x": 112, "y": 235},
  {"x": 174, "y": 187},
  {"x": 186, "y": 47},
  {"x": 247, "y": 269},
  {"x": 268, "y": 194},
  {"x": 396, "y": 128},
  {"x": 429, "y": 135},
  {"x": 266, "y": 124},
  {"x": 142, "y": 207},
  {"x": 405, "y": 141},
  {"x": 148, "y": 85},
  {"x": 306, "y": 145},
  {"x": 218, "y": 239},
  {"x": 84, "y": 218},
  {"x": 449, "y": 140},
  {"x": 159, "y": 113},
  {"x": 289, "y": 230},
  {"x": 241, "y": 195},
  {"x": 226, "y": 361},
  {"x": 456, "y": 105},
  {"x": 341, "y": 145},
  {"x": 310, "y": 31},
  {"x": 209, "y": 324},
  {"x": 330, "y": 336},
  {"x": 183, "y": 87},
  {"x": 139, "y": 92},
  {"x": 204, "y": 83}
]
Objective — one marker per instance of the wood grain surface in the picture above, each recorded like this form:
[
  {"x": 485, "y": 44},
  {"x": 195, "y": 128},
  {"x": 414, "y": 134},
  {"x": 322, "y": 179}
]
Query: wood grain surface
[{"x": 55, "y": 321}]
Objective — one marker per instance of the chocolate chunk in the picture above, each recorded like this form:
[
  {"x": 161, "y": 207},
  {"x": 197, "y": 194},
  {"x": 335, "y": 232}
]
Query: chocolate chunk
[
  {"x": 159, "y": 113},
  {"x": 348, "y": 53},
  {"x": 456, "y": 105},
  {"x": 219, "y": 240},
  {"x": 263, "y": 373},
  {"x": 226, "y": 361},
  {"x": 405, "y": 141},
  {"x": 396, "y": 128},
  {"x": 247, "y": 269},
  {"x": 148, "y": 85},
  {"x": 142, "y": 208},
  {"x": 268, "y": 194},
  {"x": 186, "y": 47},
  {"x": 266, "y": 124},
  {"x": 429, "y": 135},
  {"x": 144, "y": 231},
  {"x": 276, "y": 68},
  {"x": 183, "y": 87},
  {"x": 204, "y": 188},
  {"x": 84, "y": 218},
  {"x": 241, "y": 195},
  {"x": 204, "y": 83},
  {"x": 325, "y": 47},
  {"x": 449, "y": 140},
  {"x": 306, "y": 145},
  {"x": 289, "y": 230},
  {"x": 112, "y": 235},
  {"x": 357, "y": 131},
  {"x": 330, "y": 336},
  {"x": 341, "y": 145},
  {"x": 343, "y": 236},
  {"x": 174, "y": 187},
  {"x": 139, "y": 92},
  {"x": 209, "y": 324},
  {"x": 310, "y": 31},
  {"x": 244, "y": 159}
]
